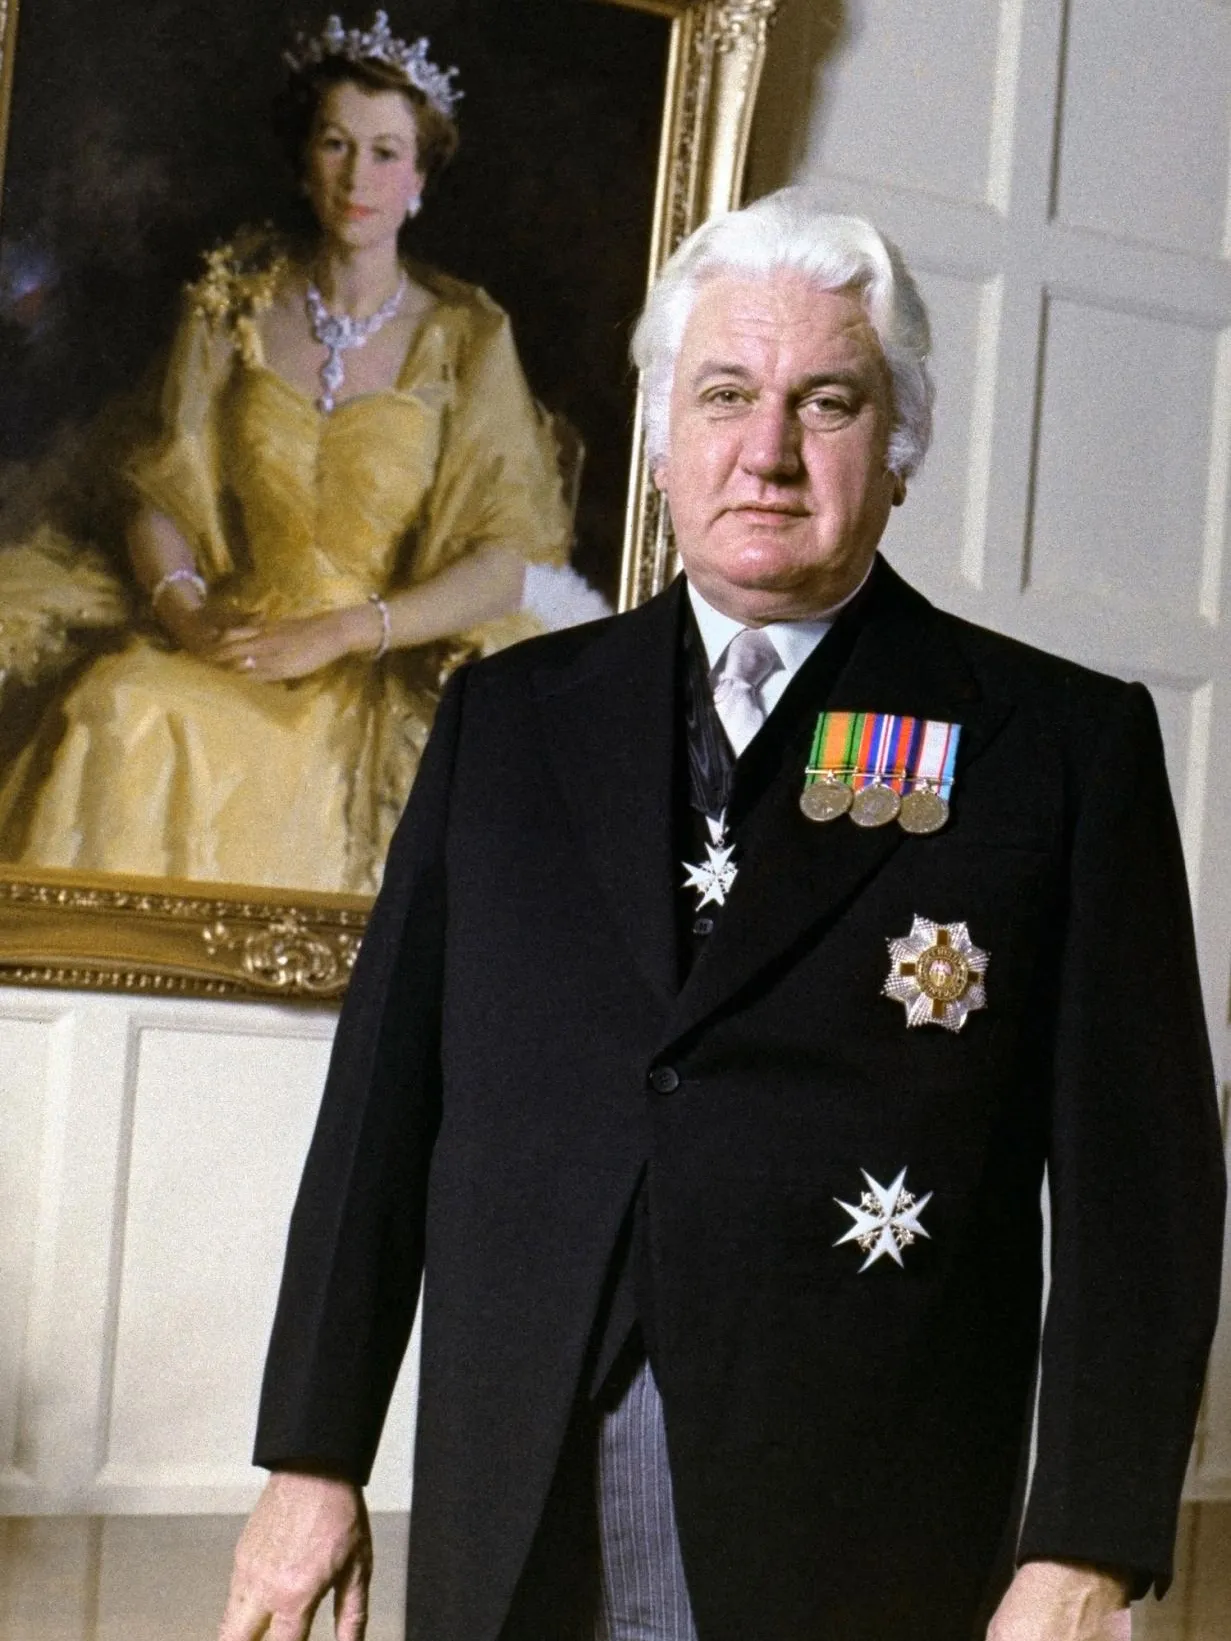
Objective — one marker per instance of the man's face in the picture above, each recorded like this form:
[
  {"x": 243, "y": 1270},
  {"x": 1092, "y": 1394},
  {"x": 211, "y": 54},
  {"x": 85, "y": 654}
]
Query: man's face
[{"x": 780, "y": 421}]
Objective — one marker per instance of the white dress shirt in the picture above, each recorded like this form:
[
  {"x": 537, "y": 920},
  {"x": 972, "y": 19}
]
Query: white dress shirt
[{"x": 793, "y": 640}]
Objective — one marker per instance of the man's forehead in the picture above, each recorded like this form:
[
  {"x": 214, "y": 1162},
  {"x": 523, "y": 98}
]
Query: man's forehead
[{"x": 783, "y": 308}]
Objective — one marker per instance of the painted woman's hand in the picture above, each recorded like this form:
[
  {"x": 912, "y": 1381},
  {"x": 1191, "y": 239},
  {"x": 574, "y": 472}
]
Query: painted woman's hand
[
  {"x": 189, "y": 621},
  {"x": 275, "y": 651}
]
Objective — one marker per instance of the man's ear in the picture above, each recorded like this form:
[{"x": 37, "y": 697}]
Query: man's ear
[
  {"x": 658, "y": 473},
  {"x": 899, "y": 489}
]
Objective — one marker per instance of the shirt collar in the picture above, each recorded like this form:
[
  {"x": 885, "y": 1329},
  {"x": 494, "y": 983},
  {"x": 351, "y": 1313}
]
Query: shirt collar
[{"x": 793, "y": 640}]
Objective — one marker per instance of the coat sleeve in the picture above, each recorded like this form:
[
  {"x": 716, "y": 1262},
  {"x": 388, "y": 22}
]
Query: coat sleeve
[
  {"x": 354, "y": 1257},
  {"x": 1135, "y": 1173}
]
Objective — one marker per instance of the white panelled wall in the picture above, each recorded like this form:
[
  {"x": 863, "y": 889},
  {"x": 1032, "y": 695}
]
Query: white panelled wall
[
  {"x": 1058, "y": 176},
  {"x": 151, "y": 1152}
]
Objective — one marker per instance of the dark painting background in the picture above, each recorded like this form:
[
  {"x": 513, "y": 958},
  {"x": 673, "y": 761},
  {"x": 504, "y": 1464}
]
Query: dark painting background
[{"x": 140, "y": 135}]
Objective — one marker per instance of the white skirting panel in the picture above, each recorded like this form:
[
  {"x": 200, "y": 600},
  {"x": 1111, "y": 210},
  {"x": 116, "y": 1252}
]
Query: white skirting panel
[{"x": 152, "y": 1150}]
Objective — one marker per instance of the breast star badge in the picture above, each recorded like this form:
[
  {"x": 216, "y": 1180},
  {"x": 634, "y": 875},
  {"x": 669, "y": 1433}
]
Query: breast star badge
[
  {"x": 712, "y": 878},
  {"x": 886, "y": 1220},
  {"x": 936, "y": 973}
]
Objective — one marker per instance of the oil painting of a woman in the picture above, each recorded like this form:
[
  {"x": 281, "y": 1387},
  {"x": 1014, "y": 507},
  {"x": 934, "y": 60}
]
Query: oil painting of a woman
[{"x": 346, "y": 488}]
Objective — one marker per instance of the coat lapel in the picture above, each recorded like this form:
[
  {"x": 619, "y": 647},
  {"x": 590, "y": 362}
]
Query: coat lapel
[
  {"x": 609, "y": 721},
  {"x": 794, "y": 874}
]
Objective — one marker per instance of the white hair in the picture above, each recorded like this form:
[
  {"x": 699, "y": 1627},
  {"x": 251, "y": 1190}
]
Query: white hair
[{"x": 788, "y": 230}]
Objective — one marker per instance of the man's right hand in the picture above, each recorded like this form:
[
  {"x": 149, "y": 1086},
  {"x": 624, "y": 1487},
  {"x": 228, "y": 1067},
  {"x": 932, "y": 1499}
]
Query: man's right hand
[{"x": 307, "y": 1535}]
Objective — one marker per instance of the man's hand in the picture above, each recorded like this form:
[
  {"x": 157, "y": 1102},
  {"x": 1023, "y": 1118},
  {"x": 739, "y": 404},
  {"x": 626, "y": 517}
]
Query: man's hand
[
  {"x": 1062, "y": 1601},
  {"x": 307, "y": 1535}
]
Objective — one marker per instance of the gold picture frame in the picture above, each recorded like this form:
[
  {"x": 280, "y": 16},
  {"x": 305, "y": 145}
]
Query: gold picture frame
[{"x": 161, "y": 936}]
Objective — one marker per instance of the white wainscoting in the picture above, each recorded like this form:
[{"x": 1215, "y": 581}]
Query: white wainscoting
[{"x": 152, "y": 1149}]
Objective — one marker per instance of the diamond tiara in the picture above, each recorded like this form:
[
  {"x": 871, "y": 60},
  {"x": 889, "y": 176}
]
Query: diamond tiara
[{"x": 378, "y": 44}]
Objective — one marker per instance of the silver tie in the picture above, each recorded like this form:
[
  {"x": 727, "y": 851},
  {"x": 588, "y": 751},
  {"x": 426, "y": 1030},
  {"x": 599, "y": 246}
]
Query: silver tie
[{"x": 748, "y": 660}]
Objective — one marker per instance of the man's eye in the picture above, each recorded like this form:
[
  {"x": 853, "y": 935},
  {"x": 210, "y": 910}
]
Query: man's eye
[
  {"x": 827, "y": 407},
  {"x": 724, "y": 397},
  {"x": 386, "y": 154}
]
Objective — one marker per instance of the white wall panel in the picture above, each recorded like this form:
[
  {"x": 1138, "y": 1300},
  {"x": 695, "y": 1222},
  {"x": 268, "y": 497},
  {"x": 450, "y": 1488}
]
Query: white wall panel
[
  {"x": 948, "y": 499},
  {"x": 1210, "y": 1471},
  {"x": 895, "y": 112},
  {"x": 1138, "y": 78},
  {"x": 151, "y": 1153},
  {"x": 1122, "y": 466},
  {"x": 1218, "y": 490},
  {"x": 57, "y": 1401},
  {"x": 33, "y": 1069},
  {"x": 1184, "y": 718},
  {"x": 219, "y": 1121}
]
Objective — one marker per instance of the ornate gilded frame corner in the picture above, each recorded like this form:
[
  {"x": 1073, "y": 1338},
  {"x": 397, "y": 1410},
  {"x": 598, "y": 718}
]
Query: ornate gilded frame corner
[{"x": 162, "y": 937}]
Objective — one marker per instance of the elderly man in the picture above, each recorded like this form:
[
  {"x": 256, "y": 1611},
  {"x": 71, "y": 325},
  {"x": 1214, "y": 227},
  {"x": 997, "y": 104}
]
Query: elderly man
[{"x": 741, "y": 963}]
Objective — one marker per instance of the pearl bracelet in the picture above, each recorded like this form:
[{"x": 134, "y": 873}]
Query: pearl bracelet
[
  {"x": 182, "y": 577},
  {"x": 386, "y": 626}
]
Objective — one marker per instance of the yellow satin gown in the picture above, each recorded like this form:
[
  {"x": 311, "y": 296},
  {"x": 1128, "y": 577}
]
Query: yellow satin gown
[{"x": 157, "y": 763}]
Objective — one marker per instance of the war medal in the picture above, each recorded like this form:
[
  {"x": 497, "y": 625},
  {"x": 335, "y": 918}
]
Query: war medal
[
  {"x": 923, "y": 811},
  {"x": 925, "y": 808},
  {"x": 881, "y": 766},
  {"x": 875, "y": 805},
  {"x": 936, "y": 973},
  {"x": 827, "y": 792},
  {"x": 826, "y": 798},
  {"x": 884, "y": 753}
]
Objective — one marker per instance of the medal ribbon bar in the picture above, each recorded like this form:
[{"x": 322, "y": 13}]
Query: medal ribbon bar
[{"x": 863, "y": 749}]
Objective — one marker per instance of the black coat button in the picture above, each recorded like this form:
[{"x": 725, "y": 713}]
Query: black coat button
[{"x": 664, "y": 1079}]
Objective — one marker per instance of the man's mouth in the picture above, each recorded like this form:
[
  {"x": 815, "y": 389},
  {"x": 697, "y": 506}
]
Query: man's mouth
[{"x": 769, "y": 512}]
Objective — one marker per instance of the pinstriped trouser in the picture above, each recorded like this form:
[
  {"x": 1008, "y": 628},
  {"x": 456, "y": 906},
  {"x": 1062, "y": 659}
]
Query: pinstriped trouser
[{"x": 644, "y": 1596}]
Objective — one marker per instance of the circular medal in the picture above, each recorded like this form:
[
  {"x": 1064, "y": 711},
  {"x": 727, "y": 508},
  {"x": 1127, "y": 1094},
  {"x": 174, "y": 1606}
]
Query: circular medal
[
  {"x": 875, "y": 806},
  {"x": 923, "y": 810},
  {"x": 826, "y": 799},
  {"x": 942, "y": 973}
]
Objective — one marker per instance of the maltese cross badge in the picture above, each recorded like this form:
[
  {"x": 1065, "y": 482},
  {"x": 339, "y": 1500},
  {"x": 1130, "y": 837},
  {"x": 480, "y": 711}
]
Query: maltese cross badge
[
  {"x": 713, "y": 877},
  {"x": 886, "y": 1220}
]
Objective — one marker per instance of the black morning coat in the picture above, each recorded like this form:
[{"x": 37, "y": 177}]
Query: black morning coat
[{"x": 846, "y": 1444}]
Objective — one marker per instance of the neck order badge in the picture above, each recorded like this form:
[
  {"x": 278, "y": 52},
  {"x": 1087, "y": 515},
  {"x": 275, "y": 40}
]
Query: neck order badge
[{"x": 879, "y": 767}]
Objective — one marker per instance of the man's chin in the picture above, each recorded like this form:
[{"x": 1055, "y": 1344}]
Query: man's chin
[
  {"x": 762, "y": 592},
  {"x": 757, "y": 604}
]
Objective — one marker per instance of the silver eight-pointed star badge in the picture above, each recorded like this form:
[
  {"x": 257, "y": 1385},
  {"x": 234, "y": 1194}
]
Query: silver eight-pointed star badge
[
  {"x": 714, "y": 876},
  {"x": 886, "y": 1220},
  {"x": 936, "y": 973}
]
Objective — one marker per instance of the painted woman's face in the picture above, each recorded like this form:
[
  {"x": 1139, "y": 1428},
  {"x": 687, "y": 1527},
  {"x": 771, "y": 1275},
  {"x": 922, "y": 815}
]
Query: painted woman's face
[{"x": 362, "y": 167}]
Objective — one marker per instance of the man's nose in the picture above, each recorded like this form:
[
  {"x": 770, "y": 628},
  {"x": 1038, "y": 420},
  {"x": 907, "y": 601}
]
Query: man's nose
[{"x": 771, "y": 442}]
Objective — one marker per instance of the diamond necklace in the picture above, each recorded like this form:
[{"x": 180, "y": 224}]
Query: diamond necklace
[{"x": 339, "y": 331}]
